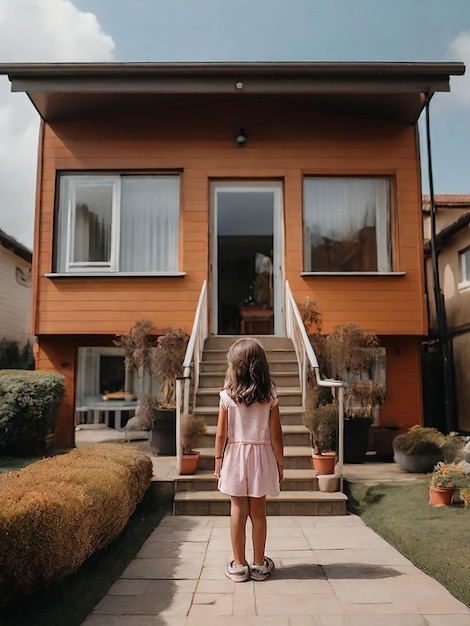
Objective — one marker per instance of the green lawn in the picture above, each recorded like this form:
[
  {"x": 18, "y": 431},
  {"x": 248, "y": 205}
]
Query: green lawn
[{"x": 435, "y": 539}]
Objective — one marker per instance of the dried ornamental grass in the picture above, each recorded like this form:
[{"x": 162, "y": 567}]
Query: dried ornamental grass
[{"x": 56, "y": 513}]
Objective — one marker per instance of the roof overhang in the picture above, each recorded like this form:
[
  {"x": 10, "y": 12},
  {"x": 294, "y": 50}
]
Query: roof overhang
[
  {"x": 388, "y": 90},
  {"x": 12, "y": 244}
]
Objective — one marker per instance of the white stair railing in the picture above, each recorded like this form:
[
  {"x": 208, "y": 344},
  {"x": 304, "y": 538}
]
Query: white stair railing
[
  {"x": 306, "y": 357},
  {"x": 192, "y": 361}
]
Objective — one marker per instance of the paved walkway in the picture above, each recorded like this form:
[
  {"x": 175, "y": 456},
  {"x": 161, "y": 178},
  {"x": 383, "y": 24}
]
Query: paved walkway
[{"x": 330, "y": 571}]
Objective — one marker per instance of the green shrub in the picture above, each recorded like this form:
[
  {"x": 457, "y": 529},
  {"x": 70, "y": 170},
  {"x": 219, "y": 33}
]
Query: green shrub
[
  {"x": 59, "y": 511},
  {"x": 28, "y": 410}
]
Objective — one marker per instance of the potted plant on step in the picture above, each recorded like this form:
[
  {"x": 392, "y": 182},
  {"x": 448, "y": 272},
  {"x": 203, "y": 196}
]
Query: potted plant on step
[
  {"x": 322, "y": 423},
  {"x": 192, "y": 429}
]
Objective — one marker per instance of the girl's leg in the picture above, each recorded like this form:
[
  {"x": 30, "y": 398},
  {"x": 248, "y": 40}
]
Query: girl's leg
[
  {"x": 257, "y": 513},
  {"x": 238, "y": 518}
]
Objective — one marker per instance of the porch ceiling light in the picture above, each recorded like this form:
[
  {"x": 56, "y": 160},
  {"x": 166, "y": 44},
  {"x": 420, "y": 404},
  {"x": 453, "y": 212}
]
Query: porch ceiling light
[{"x": 241, "y": 138}]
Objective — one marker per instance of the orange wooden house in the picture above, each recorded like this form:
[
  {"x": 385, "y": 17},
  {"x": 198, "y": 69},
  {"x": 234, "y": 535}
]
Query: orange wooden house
[{"x": 153, "y": 178}]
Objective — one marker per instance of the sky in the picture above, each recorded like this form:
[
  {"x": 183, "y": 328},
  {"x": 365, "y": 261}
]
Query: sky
[{"x": 229, "y": 30}]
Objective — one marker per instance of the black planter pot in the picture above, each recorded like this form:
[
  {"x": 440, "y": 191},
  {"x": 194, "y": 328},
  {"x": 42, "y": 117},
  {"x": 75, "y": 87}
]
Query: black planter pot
[
  {"x": 164, "y": 432},
  {"x": 356, "y": 439}
]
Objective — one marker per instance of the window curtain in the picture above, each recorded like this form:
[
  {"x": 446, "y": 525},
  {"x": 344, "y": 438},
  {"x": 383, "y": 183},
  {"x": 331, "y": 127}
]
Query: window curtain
[
  {"x": 348, "y": 210},
  {"x": 149, "y": 224}
]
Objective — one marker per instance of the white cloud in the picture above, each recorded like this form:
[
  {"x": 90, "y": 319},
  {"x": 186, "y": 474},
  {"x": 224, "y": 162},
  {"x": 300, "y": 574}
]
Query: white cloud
[
  {"x": 35, "y": 31},
  {"x": 460, "y": 49}
]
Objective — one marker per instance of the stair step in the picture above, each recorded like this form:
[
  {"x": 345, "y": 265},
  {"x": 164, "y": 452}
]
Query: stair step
[
  {"x": 220, "y": 367},
  {"x": 215, "y": 379},
  {"x": 220, "y": 356},
  {"x": 287, "y": 503},
  {"x": 295, "y": 458},
  {"x": 198, "y": 494},
  {"x": 204, "y": 480},
  {"x": 294, "y": 435},
  {"x": 289, "y": 414},
  {"x": 288, "y": 396}
]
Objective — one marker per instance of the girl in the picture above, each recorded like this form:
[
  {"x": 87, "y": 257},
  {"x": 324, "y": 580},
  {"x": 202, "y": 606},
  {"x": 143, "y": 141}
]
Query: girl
[{"x": 248, "y": 453}]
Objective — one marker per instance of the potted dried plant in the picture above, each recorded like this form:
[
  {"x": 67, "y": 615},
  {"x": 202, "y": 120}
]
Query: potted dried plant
[
  {"x": 322, "y": 422},
  {"x": 421, "y": 448},
  {"x": 167, "y": 366},
  {"x": 354, "y": 356},
  {"x": 192, "y": 429},
  {"x": 160, "y": 355}
]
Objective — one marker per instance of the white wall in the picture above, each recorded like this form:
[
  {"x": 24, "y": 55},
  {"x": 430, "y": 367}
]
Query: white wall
[{"x": 15, "y": 297}]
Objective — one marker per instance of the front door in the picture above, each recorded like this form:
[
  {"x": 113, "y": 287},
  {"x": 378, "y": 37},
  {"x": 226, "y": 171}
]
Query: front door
[{"x": 246, "y": 258}]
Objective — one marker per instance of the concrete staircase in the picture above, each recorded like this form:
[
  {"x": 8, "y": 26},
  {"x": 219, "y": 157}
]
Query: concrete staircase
[{"x": 198, "y": 495}]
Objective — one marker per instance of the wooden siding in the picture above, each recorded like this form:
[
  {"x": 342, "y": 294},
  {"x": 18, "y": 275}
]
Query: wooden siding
[
  {"x": 284, "y": 143},
  {"x": 15, "y": 297},
  {"x": 403, "y": 405},
  {"x": 59, "y": 355}
]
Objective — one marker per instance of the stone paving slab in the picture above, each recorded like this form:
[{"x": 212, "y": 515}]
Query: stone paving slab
[{"x": 330, "y": 571}]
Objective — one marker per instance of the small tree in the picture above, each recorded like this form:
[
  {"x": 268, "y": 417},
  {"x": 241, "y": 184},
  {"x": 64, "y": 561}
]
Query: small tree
[
  {"x": 138, "y": 345},
  {"x": 167, "y": 361},
  {"x": 160, "y": 355},
  {"x": 192, "y": 429}
]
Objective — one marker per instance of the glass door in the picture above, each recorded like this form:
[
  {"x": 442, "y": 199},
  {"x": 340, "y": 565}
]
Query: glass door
[{"x": 246, "y": 258}]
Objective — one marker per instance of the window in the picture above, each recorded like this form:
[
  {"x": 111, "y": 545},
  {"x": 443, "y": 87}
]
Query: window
[
  {"x": 102, "y": 370},
  {"x": 118, "y": 223},
  {"x": 347, "y": 224},
  {"x": 465, "y": 269}
]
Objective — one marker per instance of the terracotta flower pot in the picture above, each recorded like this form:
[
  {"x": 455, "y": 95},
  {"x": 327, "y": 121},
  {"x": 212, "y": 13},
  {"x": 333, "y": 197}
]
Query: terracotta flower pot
[
  {"x": 324, "y": 463},
  {"x": 440, "y": 496},
  {"x": 189, "y": 463}
]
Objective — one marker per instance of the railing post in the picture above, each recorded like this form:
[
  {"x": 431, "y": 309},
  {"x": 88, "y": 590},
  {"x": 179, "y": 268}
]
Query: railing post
[
  {"x": 192, "y": 356},
  {"x": 178, "y": 423},
  {"x": 340, "y": 434},
  {"x": 306, "y": 356}
]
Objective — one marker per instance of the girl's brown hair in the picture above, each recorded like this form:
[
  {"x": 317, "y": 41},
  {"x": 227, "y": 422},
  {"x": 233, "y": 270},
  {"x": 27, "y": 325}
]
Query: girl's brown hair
[{"x": 248, "y": 379}]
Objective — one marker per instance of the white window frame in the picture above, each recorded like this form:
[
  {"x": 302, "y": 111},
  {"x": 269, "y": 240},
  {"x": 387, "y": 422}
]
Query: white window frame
[
  {"x": 66, "y": 225},
  {"x": 74, "y": 182}
]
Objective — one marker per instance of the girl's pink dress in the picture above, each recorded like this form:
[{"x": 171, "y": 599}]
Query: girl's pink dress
[{"x": 249, "y": 467}]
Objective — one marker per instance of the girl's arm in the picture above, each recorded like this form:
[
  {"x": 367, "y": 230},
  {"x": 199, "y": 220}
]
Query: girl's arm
[
  {"x": 276, "y": 439},
  {"x": 220, "y": 438}
]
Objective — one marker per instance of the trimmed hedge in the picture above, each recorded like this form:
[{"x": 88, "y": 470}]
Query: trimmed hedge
[
  {"x": 28, "y": 410},
  {"x": 57, "y": 512}
]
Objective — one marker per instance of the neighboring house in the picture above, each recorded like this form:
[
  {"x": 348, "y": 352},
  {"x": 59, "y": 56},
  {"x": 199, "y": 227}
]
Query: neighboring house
[
  {"x": 15, "y": 290},
  {"x": 156, "y": 177},
  {"x": 452, "y": 216}
]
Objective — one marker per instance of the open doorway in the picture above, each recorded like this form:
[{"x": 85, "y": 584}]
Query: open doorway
[{"x": 246, "y": 282}]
